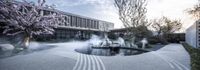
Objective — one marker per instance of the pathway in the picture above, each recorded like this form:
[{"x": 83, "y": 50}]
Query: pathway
[{"x": 170, "y": 57}]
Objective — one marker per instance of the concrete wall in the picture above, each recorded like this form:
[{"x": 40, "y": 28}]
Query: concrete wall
[{"x": 191, "y": 35}]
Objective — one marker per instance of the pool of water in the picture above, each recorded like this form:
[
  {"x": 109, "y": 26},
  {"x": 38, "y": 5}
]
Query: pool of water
[{"x": 108, "y": 51}]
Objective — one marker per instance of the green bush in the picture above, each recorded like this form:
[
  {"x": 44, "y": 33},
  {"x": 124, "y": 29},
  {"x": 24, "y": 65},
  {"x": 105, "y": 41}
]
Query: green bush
[
  {"x": 195, "y": 56},
  {"x": 112, "y": 36},
  {"x": 153, "y": 40},
  {"x": 139, "y": 44}
]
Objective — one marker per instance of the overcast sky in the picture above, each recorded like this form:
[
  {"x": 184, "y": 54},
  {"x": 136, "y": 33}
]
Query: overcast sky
[{"x": 105, "y": 9}]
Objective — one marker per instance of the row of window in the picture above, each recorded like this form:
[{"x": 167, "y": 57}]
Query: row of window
[
  {"x": 71, "y": 20},
  {"x": 198, "y": 33},
  {"x": 63, "y": 34},
  {"x": 82, "y": 22},
  {"x": 75, "y": 21}
]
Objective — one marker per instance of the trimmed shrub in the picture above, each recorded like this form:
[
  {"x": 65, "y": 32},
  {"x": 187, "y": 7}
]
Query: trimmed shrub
[{"x": 195, "y": 56}]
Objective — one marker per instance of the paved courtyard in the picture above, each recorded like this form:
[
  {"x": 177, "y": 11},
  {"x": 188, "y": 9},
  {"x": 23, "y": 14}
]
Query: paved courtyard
[{"x": 63, "y": 57}]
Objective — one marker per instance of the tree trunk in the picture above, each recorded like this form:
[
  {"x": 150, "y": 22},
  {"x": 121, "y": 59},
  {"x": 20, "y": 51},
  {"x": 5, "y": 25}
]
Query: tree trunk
[
  {"x": 163, "y": 39},
  {"x": 26, "y": 42}
]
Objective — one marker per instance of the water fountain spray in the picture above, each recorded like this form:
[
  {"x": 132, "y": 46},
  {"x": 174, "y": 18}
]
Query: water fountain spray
[{"x": 144, "y": 42}]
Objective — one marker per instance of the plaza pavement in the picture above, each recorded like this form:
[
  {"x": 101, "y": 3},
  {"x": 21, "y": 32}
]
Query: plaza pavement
[{"x": 63, "y": 57}]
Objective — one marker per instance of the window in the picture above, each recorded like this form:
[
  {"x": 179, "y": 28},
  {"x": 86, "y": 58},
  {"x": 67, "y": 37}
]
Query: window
[
  {"x": 74, "y": 21},
  {"x": 88, "y": 23},
  {"x": 91, "y": 26},
  {"x": 70, "y": 21},
  {"x": 82, "y": 22},
  {"x": 61, "y": 23},
  {"x": 97, "y": 24},
  {"x": 77, "y": 19},
  {"x": 85, "y": 23},
  {"x": 78, "y": 22},
  {"x": 66, "y": 21}
]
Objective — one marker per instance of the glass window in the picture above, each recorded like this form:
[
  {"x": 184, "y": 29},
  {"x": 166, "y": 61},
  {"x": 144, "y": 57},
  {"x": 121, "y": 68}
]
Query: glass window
[
  {"x": 88, "y": 23},
  {"x": 95, "y": 24},
  {"x": 77, "y": 21},
  {"x": 91, "y": 23},
  {"x": 70, "y": 21},
  {"x": 67, "y": 20},
  {"x": 85, "y": 23},
  {"x": 74, "y": 21}
]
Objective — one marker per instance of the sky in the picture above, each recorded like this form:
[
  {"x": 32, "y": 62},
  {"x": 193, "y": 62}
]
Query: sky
[{"x": 105, "y": 9}]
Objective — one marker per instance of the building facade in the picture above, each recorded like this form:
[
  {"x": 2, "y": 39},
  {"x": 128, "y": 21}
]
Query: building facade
[
  {"x": 76, "y": 26},
  {"x": 193, "y": 35}
]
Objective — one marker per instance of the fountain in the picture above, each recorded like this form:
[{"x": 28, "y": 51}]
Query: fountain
[
  {"x": 109, "y": 47},
  {"x": 144, "y": 42},
  {"x": 106, "y": 42}
]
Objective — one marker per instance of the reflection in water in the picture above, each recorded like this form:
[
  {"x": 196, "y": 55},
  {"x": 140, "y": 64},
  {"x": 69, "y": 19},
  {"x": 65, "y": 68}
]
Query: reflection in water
[
  {"x": 109, "y": 51},
  {"x": 107, "y": 47}
]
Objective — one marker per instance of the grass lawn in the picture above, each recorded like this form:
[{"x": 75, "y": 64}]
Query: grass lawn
[{"x": 195, "y": 56}]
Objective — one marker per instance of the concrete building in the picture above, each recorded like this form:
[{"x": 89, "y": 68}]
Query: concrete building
[
  {"x": 75, "y": 26},
  {"x": 193, "y": 35}
]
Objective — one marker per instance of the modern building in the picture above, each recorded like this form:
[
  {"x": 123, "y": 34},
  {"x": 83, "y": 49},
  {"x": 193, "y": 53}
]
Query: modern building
[
  {"x": 193, "y": 35},
  {"x": 74, "y": 26}
]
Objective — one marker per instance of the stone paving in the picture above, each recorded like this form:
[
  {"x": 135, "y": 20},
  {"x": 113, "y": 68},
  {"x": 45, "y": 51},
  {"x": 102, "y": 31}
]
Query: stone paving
[{"x": 63, "y": 57}]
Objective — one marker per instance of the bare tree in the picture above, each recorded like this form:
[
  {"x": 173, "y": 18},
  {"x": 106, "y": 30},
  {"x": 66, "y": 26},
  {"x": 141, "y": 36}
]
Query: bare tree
[
  {"x": 165, "y": 26},
  {"x": 157, "y": 25},
  {"x": 132, "y": 12},
  {"x": 25, "y": 18},
  {"x": 195, "y": 11}
]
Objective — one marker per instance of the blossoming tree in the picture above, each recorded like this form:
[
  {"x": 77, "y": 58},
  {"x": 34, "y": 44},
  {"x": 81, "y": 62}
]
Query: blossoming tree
[{"x": 26, "y": 18}]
